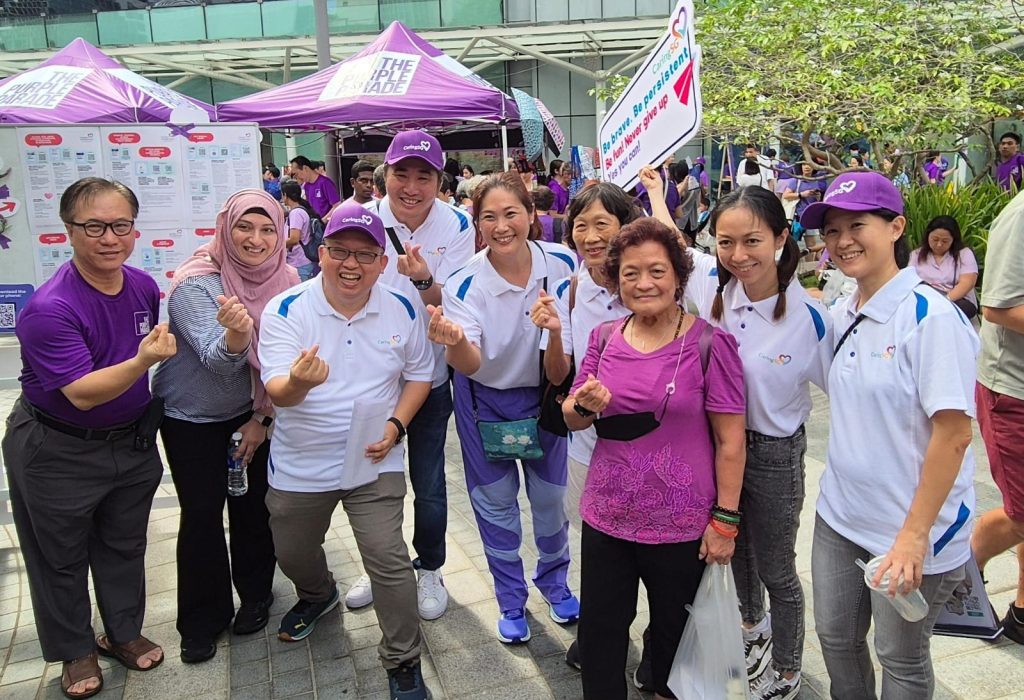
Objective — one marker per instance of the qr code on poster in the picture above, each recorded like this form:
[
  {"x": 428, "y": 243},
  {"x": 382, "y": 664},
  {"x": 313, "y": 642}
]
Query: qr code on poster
[{"x": 7, "y": 316}]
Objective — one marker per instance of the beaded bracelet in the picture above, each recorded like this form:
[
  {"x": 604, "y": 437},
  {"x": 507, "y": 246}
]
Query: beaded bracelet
[
  {"x": 727, "y": 519},
  {"x": 731, "y": 534},
  {"x": 725, "y": 511}
]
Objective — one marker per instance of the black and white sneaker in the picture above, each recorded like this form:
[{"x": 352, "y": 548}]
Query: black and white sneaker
[
  {"x": 758, "y": 651},
  {"x": 775, "y": 686}
]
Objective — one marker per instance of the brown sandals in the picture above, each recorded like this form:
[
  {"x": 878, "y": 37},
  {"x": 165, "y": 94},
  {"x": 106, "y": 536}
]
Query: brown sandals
[
  {"x": 127, "y": 654},
  {"x": 78, "y": 670}
]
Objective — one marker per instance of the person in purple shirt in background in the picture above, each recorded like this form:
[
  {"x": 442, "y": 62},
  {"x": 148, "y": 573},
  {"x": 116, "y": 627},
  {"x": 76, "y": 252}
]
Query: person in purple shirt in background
[
  {"x": 1010, "y": 169},
  {"x": 320, "y": 191},
  {"x": 670, "y": 189},
  {"x": 936, "y": 169},
  {"x": 551, "y": 229},
  {"x": 80, "y": 447},
  {"x": 558, "y": 181}
]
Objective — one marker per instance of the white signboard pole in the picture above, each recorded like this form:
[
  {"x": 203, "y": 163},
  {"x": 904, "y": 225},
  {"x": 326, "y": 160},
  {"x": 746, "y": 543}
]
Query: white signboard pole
[{"x": 660, "y": 110}]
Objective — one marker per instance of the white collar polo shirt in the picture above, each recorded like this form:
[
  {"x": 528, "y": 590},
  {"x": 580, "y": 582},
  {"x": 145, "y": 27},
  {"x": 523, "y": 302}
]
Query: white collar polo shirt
[
  {"x": 369, "y": 355},
  {"x": 449, "y": 241},
  {"x": 913, "y": 354},
  {"x": 495, "y": 314},
  {"x": 594, "y": 305}
]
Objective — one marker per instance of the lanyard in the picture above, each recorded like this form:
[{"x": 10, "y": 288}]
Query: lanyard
[{"x": 856, "y": 321}]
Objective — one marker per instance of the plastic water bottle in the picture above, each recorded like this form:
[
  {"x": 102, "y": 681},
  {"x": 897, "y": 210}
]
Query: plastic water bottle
[
  {"x": 238, "y": 480},
  {"x": 912, "y": 606}
]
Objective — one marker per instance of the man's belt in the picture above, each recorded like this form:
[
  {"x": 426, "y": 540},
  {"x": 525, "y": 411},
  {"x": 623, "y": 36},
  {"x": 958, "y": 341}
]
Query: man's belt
[{"x": 60, "y": 426}]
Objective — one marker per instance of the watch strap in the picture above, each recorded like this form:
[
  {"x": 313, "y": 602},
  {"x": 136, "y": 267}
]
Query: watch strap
[{"x": 401, "y": 428}]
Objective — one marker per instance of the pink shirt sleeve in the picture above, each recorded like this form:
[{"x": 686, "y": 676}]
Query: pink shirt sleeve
[
  {"x": 968, "y": 263},
  {"x": 724, "y": 389}
]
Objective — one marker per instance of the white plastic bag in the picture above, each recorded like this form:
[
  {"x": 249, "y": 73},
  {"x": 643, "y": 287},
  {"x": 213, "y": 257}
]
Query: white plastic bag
[{"x": 709, "y": 663}]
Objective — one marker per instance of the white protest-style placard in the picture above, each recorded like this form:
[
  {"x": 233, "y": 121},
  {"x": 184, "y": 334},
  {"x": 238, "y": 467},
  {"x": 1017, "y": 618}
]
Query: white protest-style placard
[{"x": 660, "y": 110}]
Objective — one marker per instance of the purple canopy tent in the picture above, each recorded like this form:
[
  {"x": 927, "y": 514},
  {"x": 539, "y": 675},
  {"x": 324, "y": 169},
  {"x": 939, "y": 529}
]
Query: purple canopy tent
[
  {"x": 396, "y": 82},
  {"x": 80, "y": 84}
]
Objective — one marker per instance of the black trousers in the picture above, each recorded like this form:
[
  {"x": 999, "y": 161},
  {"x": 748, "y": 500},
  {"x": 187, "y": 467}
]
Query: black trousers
[
  {"x": 610, "y": 576},
  {"x": 197, "y": 456},
  {"x": 80, "y": 505}
]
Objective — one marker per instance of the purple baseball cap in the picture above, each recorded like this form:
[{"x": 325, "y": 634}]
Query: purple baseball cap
[
  {"x": 854, "y": 191},
  {"x": 351, "y": 216},
  {"x": 415, "y": 144}
]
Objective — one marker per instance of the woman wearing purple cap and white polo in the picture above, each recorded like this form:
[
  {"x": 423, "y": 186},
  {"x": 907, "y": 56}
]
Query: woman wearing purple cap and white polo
[{"x": 898, "y": 482}]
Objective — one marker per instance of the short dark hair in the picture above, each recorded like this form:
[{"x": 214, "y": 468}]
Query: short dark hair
[
  {"x": 379, "y": 181},
  {"x": 1011, "y": 135},
  {"x": 771, "y": 153},
  {"x": 467, "y": 166},
  {"x": 85, "y": 190},
  {"x": 272, "y": 169},
  {"x": 447, "y": 184},
  {"x": 766, "y": 208},
  {"x": 749, "y": 145},
  {"x": 613, "y": 199},
  {"x": 679, "y": 171},
  {"x": 302, "y": 162},
  {"x": 645, "y": 230},
  {"x": 543, "y": 197},
  {"x": 317, "y": 164},
  {"x": 360, "y": 167}
]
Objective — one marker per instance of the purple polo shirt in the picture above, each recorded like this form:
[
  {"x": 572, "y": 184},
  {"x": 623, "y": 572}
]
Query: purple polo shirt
[
  {"x": 547, "y": 228},
  {"x": 69, "y": 329},
  {"x": 561, "y": 196},
  {"x": 934, "y": 172},
  {"x": 671, "y": 196},
  {"x": 1010, "y": 170},
  {"x": 322, "y": 194}
]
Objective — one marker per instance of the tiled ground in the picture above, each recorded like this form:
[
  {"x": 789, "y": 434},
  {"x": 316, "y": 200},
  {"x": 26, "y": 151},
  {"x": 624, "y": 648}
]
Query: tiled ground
[{"x": 462, "y": 657}]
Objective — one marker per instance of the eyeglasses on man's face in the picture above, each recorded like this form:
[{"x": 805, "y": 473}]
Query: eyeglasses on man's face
[
  {"x": 363, "y": 257},
  {"x": 96, "y": 229}
]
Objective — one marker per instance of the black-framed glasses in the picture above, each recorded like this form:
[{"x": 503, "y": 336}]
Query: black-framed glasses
[
  {"x": 363, "y": 257},
  {"x": 96, "y": 229}
]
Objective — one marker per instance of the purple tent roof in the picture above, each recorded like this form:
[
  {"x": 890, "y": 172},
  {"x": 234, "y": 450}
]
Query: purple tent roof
[
  {"x": 397, "y": 81},
  {"x": 80, "y": 84}
]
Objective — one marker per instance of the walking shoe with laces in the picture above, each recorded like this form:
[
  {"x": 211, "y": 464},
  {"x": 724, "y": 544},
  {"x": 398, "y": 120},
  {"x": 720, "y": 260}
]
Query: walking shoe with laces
[
  {"x": 513, "y": 627},
  {"x": 775, "y": 686},
  {"x": 252, "y": 618},
  {"x": 360, "y": 595},
  {"x": 406, "y": 683},
  {"x": 299, "y": 622},
  {"x": 1013, "y": 624},
  {"x": 431, "y": 595},
  {"x": 757, "y": 646}
]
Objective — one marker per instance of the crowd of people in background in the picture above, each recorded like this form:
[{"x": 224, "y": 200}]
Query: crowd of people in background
[{"x": 642, "y": 360}]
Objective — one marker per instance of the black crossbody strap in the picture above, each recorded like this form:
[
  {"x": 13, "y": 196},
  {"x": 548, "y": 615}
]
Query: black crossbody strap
[
  {"x": 399, "y": 248},
  {"x": 856, "y": 322}
]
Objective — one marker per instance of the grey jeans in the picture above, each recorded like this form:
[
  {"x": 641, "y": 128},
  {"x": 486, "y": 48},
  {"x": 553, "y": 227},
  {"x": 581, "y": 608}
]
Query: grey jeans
[
  {"x": 765, "y": 558},
  {"x": 844, "y": 608}
]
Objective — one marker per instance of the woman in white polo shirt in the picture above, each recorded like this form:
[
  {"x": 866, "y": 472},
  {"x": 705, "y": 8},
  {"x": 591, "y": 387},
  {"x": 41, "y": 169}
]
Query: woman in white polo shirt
[
  {"x": 495, "y": 350},
  {"x": 785, "y": 342},
  {"x": 899, "y": 476}
]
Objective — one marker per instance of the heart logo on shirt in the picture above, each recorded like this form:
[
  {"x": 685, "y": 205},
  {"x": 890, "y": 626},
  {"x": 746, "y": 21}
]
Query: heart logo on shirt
[
  {"x": 396, "y": 339},
  {"x": 441, "y": 249},
  {"x": 783, "y": 359}
]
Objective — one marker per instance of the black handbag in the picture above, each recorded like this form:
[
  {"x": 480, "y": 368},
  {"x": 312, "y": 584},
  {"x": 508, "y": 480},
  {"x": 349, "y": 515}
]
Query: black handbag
[{"x": 552, "y": 395}]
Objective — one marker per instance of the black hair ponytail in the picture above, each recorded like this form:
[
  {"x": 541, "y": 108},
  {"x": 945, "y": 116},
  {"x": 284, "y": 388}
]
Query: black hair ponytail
[{"x": 786, "y": 268}]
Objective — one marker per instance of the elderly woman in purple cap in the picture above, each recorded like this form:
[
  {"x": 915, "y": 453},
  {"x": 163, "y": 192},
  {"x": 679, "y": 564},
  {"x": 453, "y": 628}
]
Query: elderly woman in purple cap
[{"x": 901, "y": 391}]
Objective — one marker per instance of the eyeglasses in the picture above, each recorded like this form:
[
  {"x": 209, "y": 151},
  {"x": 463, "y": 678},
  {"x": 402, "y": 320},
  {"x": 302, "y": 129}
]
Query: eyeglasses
[
  {"x": 363, "y": 257},
  {"x": 96, "y": 229}
]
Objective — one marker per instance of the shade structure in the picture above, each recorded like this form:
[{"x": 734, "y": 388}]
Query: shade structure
[
  {"x": 531, "y": 123},
  {"x": 80, "y": 84},
  {"x": 397, "y": 81},
  {"x": 552, "y": 130}
]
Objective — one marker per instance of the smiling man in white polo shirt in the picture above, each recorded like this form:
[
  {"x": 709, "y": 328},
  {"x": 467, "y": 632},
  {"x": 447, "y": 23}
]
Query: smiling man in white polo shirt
[
  {"x": 427, "y": 241},
  {"x": 331, "y": 347}
]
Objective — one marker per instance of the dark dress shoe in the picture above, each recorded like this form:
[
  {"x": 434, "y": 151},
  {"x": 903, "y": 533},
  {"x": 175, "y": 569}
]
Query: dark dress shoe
[
  {"x": 252, "y": 618},
  {"x": 195, "y": 650}
]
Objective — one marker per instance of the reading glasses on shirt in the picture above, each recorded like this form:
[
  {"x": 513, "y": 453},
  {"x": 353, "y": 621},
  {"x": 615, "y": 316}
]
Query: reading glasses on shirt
[
  {"x": 96, "y": 229},
  {"x": 363, "y": 257}
]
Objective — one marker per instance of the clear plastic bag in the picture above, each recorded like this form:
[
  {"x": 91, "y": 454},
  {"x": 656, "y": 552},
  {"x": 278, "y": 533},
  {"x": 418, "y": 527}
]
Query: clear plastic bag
[{"x": 709, "y": 663}]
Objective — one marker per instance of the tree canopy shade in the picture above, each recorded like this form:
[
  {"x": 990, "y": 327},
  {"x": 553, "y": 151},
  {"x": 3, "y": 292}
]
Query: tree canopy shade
[{"x": 912, "y": 73}]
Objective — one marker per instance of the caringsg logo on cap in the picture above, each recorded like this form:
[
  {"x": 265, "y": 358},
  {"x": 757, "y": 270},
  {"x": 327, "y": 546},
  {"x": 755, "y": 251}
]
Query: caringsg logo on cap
[
  {"x": 365, "y": 220},
  {"x": 843, "y": 188},
  {"x": 421, "y": 146}
]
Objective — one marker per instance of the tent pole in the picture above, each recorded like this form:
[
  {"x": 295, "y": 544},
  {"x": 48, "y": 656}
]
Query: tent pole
[
  {"x": 323, "y": 60},
  {"x": 504, "y": 146}
]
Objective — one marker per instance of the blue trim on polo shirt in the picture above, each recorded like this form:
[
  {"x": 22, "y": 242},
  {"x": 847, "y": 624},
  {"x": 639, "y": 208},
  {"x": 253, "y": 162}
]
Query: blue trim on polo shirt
[
  {"x": 463, "y": 219},
  {"x": 922, "y": 307},
  {"x": 714, "y": 272},
  {"x": 464, "y": 288},
  {"x": 562, "y": 287},
  {"x": 282, "y": 310},
  {"x": 406, "y": 303},
  {"x": 819, "y": 322},
  {"x": 567, "y": 259},
  {"x": 961, "y": 518}
]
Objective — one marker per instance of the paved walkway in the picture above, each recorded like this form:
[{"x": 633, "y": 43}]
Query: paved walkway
[{"x": 462, "y": 658}]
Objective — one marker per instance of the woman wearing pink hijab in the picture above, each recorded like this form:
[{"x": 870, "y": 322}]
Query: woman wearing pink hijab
[{"x": 212, "y": 390}]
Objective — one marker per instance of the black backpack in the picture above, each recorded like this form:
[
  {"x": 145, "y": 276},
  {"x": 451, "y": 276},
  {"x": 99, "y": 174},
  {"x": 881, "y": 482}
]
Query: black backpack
[{"x": 316, "y": 238}]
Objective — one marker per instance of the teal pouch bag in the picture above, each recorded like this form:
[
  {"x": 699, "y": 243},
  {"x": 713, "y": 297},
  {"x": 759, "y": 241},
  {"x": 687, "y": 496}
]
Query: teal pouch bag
[{"x": 510, "y": 439}]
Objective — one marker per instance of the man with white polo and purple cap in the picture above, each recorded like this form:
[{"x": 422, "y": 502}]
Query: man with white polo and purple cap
[
  {"x": 427, "y": 240},
  {"x": 347, "y": 363}
]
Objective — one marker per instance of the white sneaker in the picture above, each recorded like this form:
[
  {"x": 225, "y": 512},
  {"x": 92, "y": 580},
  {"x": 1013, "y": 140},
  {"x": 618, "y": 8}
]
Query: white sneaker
[
  {"x": 775, "y": 686},
  {"x": 360, "y": 595},
  {"x": 431, "y": 595}
]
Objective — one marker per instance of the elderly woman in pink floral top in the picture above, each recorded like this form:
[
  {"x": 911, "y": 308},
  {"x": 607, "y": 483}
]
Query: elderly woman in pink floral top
[{"x": 664, "y": 390}]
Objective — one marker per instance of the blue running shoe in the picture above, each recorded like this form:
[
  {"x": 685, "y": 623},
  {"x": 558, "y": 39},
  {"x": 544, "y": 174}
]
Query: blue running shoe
[
  {"x": 567, "y": 611},
  {"x": 406, "y": 683},
  {"x": 299, "y": 622},
  {"x": 513, "y": 627}
]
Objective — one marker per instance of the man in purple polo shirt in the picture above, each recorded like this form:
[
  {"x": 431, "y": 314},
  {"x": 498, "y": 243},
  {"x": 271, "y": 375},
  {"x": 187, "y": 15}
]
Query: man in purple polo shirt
[
  {"x": 1010, "y": 169},
  {"x": 80, "y": 450},
  {"x": 319, "y": 190}
]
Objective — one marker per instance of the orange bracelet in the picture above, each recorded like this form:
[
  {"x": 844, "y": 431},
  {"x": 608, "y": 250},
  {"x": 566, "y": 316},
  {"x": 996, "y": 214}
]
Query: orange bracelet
[{"x": 731, "y": 534}]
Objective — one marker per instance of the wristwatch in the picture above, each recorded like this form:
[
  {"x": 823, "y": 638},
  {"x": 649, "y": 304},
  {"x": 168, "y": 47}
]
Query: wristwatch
[
  {"x": 581, "y": 411},
  {"x": 265, "y": 421},
  {"x": 423, "y": 285},
  {"x": 401, "y": 429}
]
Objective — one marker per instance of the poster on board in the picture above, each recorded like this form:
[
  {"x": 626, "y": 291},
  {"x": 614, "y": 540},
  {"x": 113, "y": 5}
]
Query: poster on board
[
  {"x": 52, "y": 158},
  {"x": 217, "y": 164},
  {"x": 661, "y": 108},
  {"x": 148, "y": 160}
]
